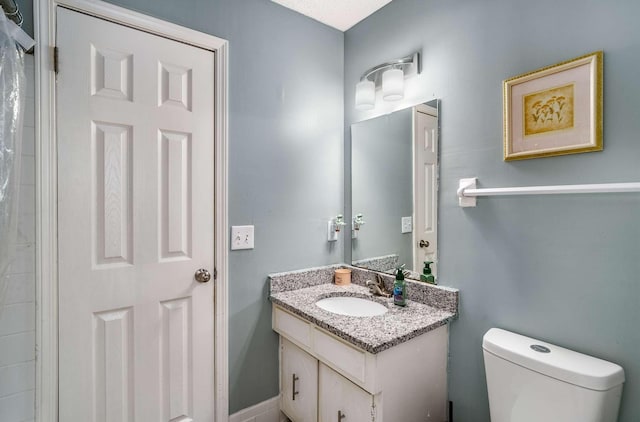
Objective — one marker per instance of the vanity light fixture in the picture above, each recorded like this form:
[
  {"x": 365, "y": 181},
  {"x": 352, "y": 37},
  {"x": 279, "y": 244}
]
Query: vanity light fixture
[{"x": 390, "y": 77}]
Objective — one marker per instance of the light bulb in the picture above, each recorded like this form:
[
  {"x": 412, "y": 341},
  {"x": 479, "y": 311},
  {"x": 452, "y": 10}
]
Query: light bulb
[
  {"x": 393, "y": 85},
  {"x": 365, "y": 95}
]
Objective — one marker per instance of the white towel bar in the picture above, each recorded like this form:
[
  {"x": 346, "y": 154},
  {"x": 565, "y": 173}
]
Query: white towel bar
[{"x": 467, "y": 191}]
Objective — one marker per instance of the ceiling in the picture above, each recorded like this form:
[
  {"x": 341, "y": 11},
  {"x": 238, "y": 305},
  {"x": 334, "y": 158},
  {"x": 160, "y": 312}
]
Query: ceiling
[{"x": 340, "y": 14}]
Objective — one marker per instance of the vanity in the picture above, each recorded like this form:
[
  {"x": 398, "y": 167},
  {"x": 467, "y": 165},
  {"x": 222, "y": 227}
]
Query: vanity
[
  {"x": 369, "y": 360},
  {"x": 342, "y": 368}
]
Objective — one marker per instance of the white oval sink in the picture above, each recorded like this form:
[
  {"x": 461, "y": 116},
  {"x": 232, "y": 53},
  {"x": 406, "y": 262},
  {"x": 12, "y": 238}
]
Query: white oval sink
[{"x": 352, "y": 306}]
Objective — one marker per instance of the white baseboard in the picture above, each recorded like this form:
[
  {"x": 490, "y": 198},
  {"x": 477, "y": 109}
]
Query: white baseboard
[{"x": 267, "y": 411}]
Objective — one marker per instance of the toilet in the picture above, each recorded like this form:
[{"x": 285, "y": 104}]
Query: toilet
[{"x": 529, "y": 380}]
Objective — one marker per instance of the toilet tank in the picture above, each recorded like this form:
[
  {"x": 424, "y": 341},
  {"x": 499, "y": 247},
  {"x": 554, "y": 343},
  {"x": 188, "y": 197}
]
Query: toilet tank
[{"x": 529, "y": 380}]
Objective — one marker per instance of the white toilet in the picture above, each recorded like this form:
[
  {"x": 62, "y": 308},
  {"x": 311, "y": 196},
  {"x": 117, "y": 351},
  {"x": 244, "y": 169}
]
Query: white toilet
[{"x": 530, "y": 380}]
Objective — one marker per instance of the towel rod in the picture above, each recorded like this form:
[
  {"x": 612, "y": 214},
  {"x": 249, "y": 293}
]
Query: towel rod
[{"x": 467, "y": 190}]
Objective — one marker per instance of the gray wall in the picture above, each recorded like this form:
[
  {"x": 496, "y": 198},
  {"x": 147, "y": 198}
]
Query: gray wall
[
  {"x": 559, "y": 268},
  {"x": 382, "y": 185},
  {"x": 285, "y": 160}
]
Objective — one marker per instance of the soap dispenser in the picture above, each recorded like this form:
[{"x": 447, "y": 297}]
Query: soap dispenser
[
  {"x": 426, "y": 275},
  {"x": 400, "y": 289}
]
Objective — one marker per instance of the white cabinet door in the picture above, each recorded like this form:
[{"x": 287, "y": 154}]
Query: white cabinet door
[
  {"x": 298, "y": 383},
  {"x": 135, "y": 212},
  {"x": 340, "y": 400}
]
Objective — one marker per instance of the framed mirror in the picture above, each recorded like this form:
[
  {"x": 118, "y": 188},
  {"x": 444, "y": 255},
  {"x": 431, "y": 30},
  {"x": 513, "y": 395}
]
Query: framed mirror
[{"x": 394, "y": 190}]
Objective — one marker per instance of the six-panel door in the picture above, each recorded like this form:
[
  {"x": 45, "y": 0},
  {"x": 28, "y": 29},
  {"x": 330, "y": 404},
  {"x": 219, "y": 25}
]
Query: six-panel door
[
  {"x": 136, "y": 220},
  {"x": 425, "y": 187}
]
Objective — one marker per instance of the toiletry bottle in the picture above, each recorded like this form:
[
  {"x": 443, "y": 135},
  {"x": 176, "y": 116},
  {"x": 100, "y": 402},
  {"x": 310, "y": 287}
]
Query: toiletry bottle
[
  {"x": 399, "y": 289},
  {"x": 426, "y": 275}
]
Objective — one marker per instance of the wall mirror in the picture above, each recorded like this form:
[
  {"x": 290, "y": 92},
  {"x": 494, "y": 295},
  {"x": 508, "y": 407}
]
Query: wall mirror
[{"x": 394, "y": 190}]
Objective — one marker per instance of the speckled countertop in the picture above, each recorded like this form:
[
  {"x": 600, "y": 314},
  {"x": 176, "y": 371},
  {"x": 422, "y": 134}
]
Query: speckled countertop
[{"x": 373, "y": 334}]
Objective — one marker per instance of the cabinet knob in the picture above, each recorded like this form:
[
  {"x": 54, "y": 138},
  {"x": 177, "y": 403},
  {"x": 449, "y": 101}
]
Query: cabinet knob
[{"x": 341, "y": 416}]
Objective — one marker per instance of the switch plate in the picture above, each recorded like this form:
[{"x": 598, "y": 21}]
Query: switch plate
[
  {"x": 407, "y": 224},
  {"x": 241, "y": 237}
]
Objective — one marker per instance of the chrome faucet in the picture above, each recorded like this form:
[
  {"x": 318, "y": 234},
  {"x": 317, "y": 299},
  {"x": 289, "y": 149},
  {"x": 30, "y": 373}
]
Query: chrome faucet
[{"x": 377, "y": 288}]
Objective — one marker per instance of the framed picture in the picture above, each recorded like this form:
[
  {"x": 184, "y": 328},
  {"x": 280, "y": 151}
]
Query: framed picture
[{"x": 556, "y": 110}]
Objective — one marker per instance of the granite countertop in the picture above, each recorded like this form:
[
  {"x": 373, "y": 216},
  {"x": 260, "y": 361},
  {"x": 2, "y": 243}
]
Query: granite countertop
[{"x": 373, "y": 334}]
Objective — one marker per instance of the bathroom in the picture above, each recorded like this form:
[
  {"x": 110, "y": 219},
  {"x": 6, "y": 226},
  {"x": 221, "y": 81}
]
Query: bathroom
[{"x": 562, "y": 268}]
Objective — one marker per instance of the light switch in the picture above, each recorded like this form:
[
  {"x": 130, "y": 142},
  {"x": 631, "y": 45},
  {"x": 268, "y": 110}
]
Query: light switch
[
  {"x": 407, "y": 224},
  {"x": 241, "y": 237}
]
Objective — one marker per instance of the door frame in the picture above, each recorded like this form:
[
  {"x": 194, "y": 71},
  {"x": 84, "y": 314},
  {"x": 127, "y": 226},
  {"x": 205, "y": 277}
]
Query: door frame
[{"x": 47, "y": 183}]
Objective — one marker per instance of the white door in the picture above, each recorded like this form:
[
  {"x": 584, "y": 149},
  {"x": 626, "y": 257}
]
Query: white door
[
  {"x": 425, "y": 245},
  {"x": 136, "y": 220}
]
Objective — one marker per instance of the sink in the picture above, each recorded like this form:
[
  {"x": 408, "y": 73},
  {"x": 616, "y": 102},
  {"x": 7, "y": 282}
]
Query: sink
[{"x": 352, "y": 306}]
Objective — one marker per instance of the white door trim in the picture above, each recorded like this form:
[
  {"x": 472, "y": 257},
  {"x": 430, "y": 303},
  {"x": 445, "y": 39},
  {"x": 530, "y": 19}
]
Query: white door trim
[{"x": 46, "y": 192}]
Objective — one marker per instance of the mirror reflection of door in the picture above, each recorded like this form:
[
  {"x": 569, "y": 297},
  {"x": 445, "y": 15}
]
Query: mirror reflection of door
[
  {"x": 425, "y": 238},
  {"x": 394, "y": 176}
]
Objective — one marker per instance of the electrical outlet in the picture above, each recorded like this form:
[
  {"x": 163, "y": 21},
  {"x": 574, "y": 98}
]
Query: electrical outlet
[
  {"x": 407, "y": 225},
  {"x": 241, "y": 237}
]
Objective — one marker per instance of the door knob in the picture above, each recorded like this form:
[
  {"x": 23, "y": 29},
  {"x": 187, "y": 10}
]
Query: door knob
[
  {"x": 424, "y": 244},
  {"x": 202, "y": 275}
]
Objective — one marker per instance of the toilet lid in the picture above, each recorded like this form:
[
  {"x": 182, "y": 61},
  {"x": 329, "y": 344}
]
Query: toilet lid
[{"x": 554, "y": 361}]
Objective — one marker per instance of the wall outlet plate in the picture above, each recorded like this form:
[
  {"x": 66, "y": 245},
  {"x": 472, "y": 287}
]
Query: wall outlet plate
[
  {"x": 241, "y": 237},
  {"x": 332, "y": 234},
  {"x": 407, "y": 224}
]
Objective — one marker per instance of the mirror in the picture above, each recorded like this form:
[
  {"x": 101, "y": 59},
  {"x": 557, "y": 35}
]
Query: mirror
[{"x": 394, "y": 176}]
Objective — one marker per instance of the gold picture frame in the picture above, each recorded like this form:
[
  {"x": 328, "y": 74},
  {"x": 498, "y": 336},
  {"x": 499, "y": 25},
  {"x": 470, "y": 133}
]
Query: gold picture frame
[{"x": 555, "y": 110}]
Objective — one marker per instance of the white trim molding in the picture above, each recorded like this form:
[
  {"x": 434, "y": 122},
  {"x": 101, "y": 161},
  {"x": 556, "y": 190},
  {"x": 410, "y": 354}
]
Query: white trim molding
[
  {"x": 266, "y": 411},
  {"x": 46, "y": 192}
]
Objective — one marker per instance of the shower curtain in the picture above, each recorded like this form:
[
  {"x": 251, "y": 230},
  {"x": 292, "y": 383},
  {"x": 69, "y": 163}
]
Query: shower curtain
[{"x": 12, "y": 98}]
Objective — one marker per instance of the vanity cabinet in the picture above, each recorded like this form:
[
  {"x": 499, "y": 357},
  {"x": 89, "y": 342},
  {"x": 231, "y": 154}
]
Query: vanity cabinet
[{"x": 338, "y": 382}]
